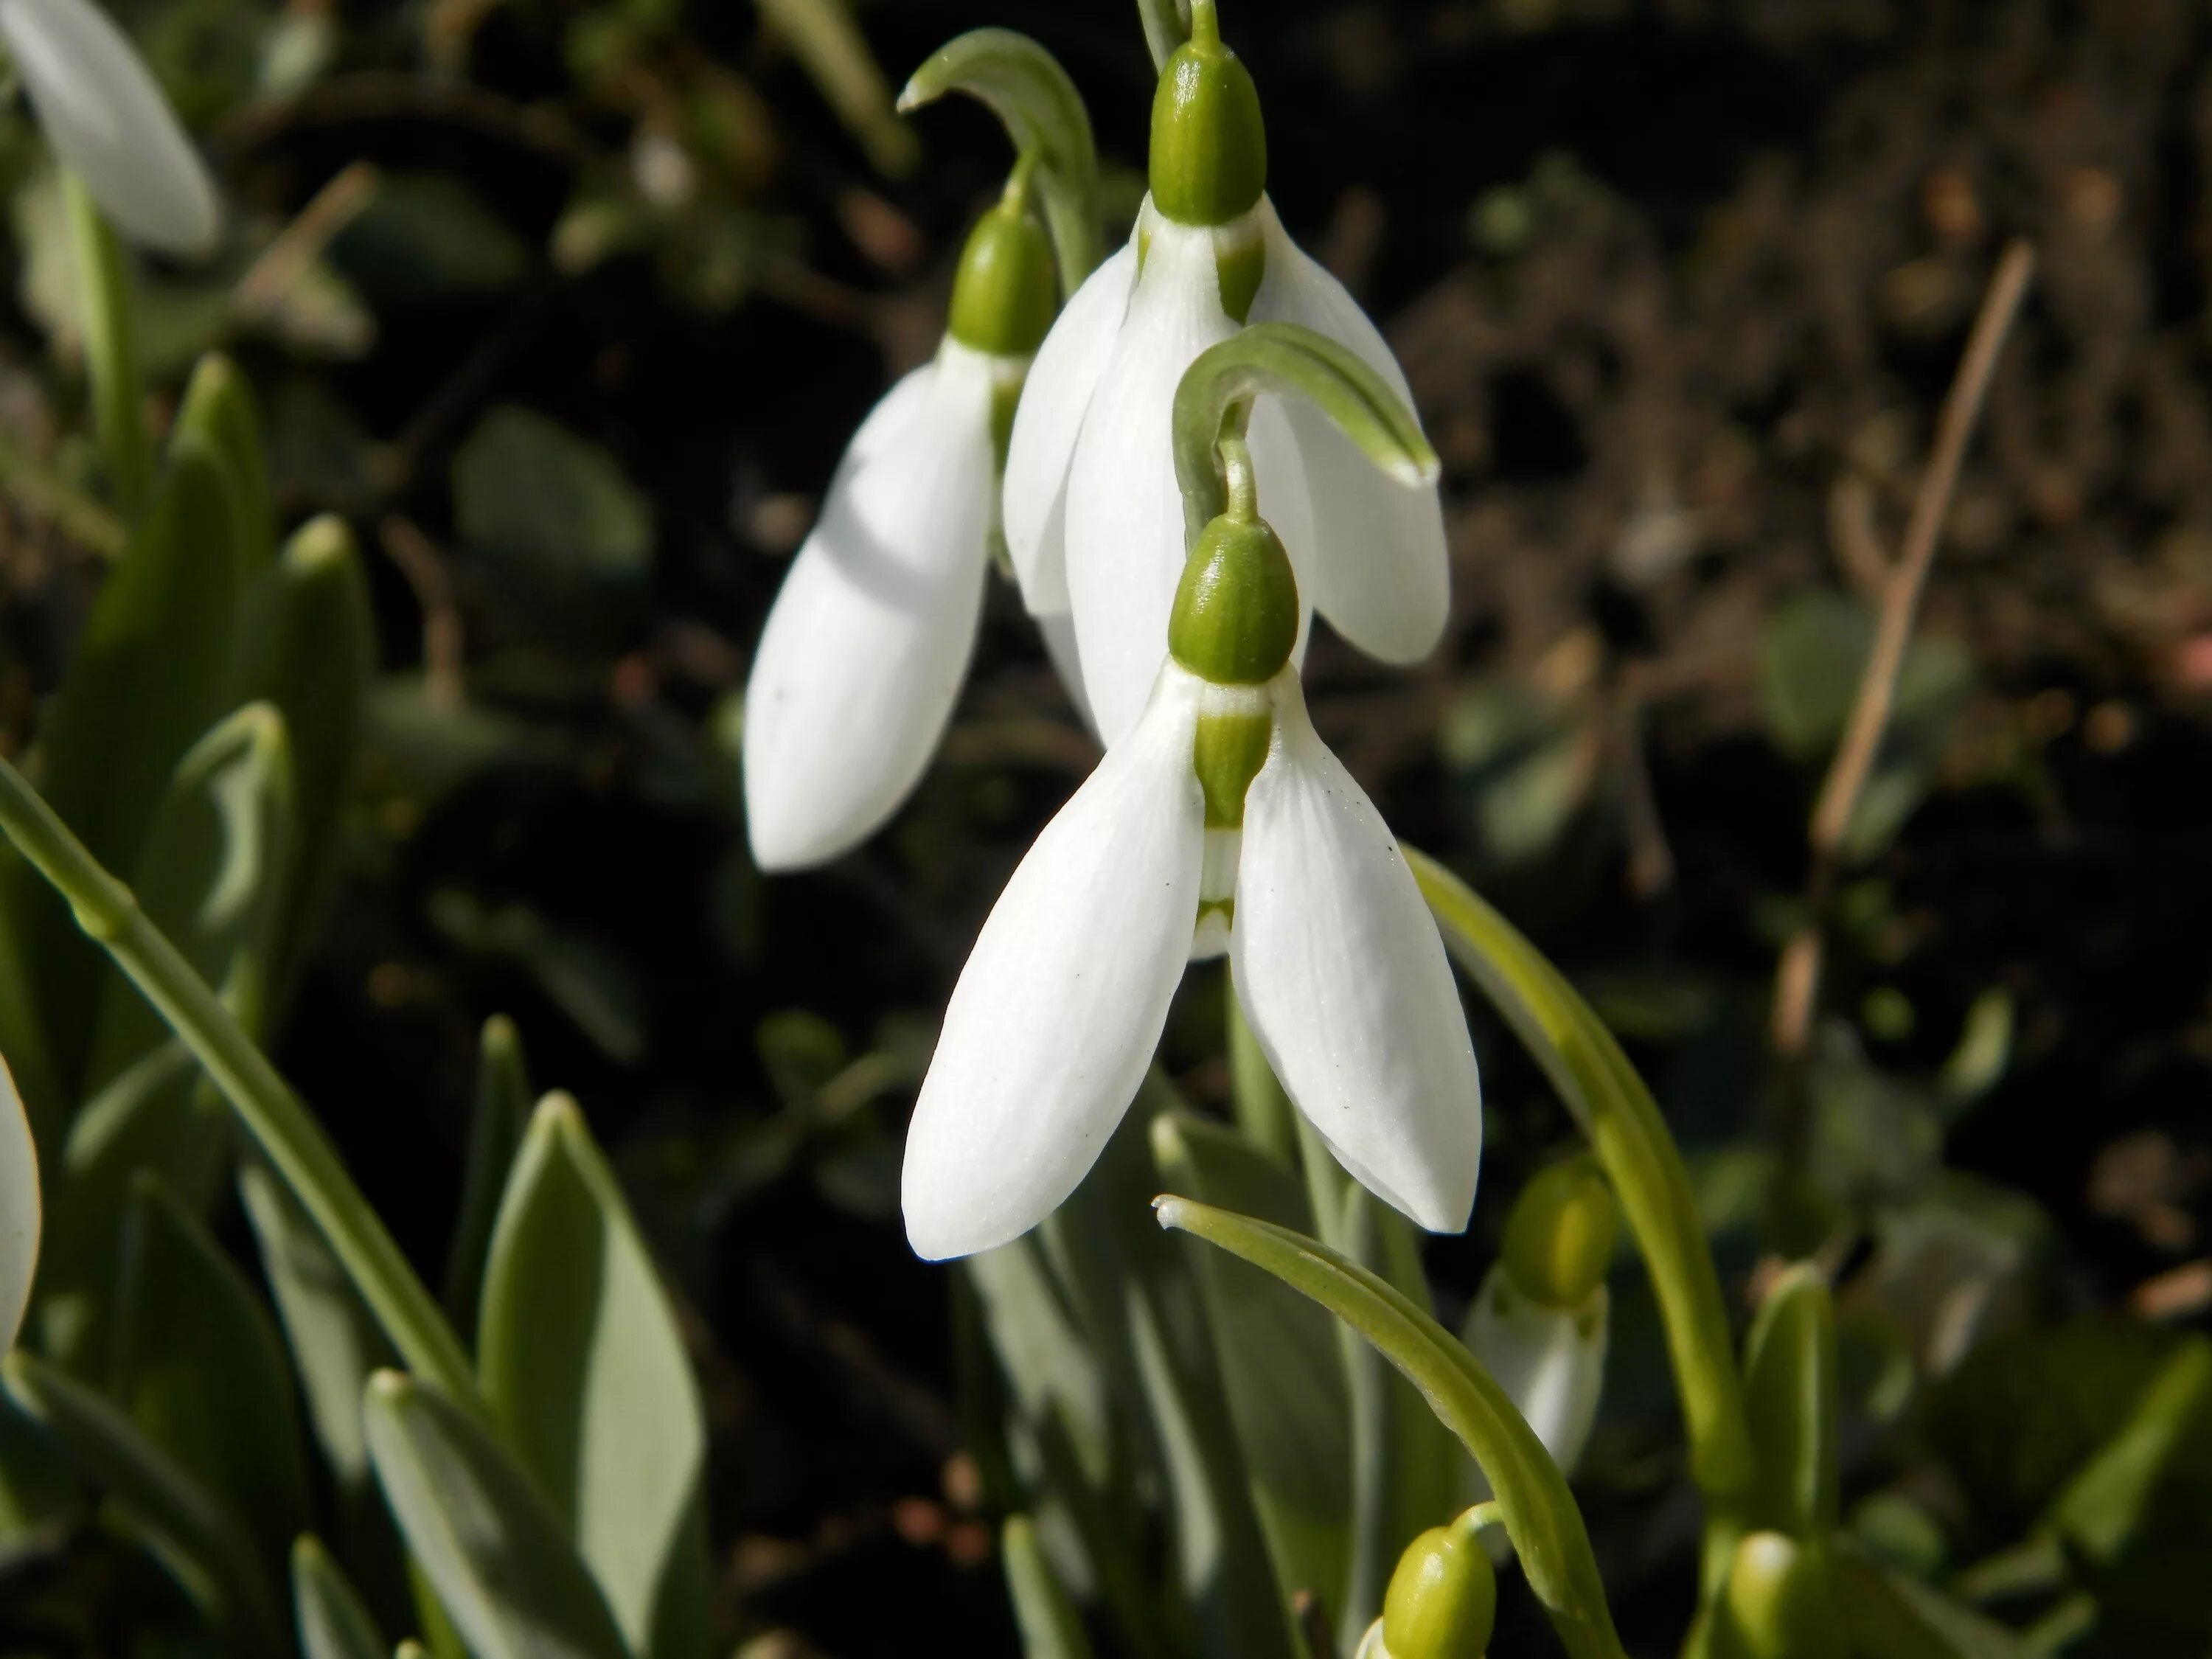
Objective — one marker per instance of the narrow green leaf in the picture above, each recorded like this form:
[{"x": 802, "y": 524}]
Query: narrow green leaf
[
  {"x": 1539, "y": 1513},
  {"x": 219, "y": 410},
  {"x": 2167, "y": 1437},
  {"x": 1279, "y": 1360},
  {"x": 1023, "y": 85},
  {"x": 111, "y": 346},
  {"x": 309, "y": 648},
  {"x": 830, "y": 47},
  {"x": 20, "y": 1212},
  {"x": 22, "y": 1028},
  {"x": 1263, "y": 1110},
  {"x": 495, "y": 1130},
  {"x": 1616, "y": 1112},
  {"x": 1791, "y": 1394},
  {"x": 1046, "y": 1620},
  {"x": 1888, "y": 1614},
  {"x": 199, "y": 1542},
  {"x": 332, "y": 1622},
  {"x": 482, "y": 1535},
  {"x": 1287, "y": 360},
  {"x": 585, "y": 1367}
]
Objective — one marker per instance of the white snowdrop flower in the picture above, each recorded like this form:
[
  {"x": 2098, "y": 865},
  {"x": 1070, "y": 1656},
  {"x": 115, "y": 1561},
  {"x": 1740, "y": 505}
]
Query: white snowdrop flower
[
  {"x": 1093, "y": 518},
  {"x": 867, "y": 644},
  {"x": 19, "y": 1210},
  {"x": 1219, "y": 821},
  {"x": 109, "y": 124},
  {"x": 1538, "y": 1323}
]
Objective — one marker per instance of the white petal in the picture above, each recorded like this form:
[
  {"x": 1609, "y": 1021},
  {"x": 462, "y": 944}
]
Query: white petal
[
  {"x": 865, "y": 646},
  {"x": 19, "y": 1210},
  {"x": 1550, "y": 1361},
  {"x": 1377, "y": 565},
  {"x": 1125, "y": 539},
  {"x": 109, "y": 123},
  {"x": 1046, "y": 420},
  {"x": 1054, "y": 1020},
  {"x": 1341, "y": 974}
]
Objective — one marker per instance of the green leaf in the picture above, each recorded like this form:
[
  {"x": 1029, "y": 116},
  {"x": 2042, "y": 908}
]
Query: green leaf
[
  {"x": 1048, "y": 1626},
  {"x": 309, "y": 649},
  {"x": 495, "y": 1130},
  {"x": 829, "y": 45},
  {"x": 1615, "y": 1111},
  {"x": 20, "y": 1210},
  {"x": 1791, "y": 1394},
  {"x": 1023, "y": 85},
  {"x": 1288, "y": 361},
  {"x": 220, "y": 412},
  {"x": 529, "y": 492},
  {"x": 199, "y": 1542},
  {"x": 332, "y": 1622},
  {"x": 585, "y": 1367},
  {"x": 2164, "y": 1444},
  {"x": 1279, "y": 1360},
  {"x": 201, "y": 1372},
  {"x": 482, "y": 1535},
  {"x": 102, "y": 277},
  {"x": 1890, "y": 1615},
  {"x": 1539, "y": 1513},
  {"x": 149, "y": 676},
  {"x": 427, "y": 239}
]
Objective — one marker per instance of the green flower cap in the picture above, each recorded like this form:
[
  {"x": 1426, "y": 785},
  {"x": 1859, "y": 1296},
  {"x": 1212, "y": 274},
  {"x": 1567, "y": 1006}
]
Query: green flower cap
[
  {"x": 1780, "y": 1603},
  {"x": 1209, "y": 162},
  {"x": 1236, "y": 615},
  {"x": 1005, "y": 295},
  {"x": 1443, "y": 1599},
  {"x": 1559, "y": 1239}
]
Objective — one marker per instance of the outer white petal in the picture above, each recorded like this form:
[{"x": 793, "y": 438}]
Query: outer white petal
[
  {"x": 1046, "y": 420},
  {"x": 1054, "y": 1020},
  {"x": 1343, "y": 977},
  {"x": 19, "y": 1210},
  {"x": 1550, "y": 1361},
  {"x": 865, "y": 646},
  {"x": 1377, "y": 565},
  {"x": 1125, "y": 541},
  {"x": 108, "y": 121}
]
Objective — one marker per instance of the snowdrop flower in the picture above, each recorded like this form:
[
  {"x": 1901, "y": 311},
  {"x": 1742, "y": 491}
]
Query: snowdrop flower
[
  {"x": 19, "y": 1210},
  {"x": 1093, "y": 518},
  {"x": 1219, "y": 822},
  {"x": 1538, "y": 1323},
  {"x": 1441, "y": 1602},
  {"x": 109, "y": 124},
  {"x": 867, "y": 643}
]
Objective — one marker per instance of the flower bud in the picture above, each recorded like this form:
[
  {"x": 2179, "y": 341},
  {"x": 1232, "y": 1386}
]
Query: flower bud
[
  {"x": 1005, "y": 295},
  {"x": 1559, "y": 1239},
  {"x": 1236, "y": 616},
  {"x": 1779, "y": 1603},
  {"x": 1443, "y": 1599},
  {"x": 1209, "y": 158}
]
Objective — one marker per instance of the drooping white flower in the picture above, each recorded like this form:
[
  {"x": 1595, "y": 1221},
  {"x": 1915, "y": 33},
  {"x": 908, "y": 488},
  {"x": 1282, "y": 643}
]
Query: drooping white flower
[
  {"x": 109, "y": 124},
  {"x": 1093, "y": 518},
  {"x": 867, "y": 644},
  {"x": 19, "y": 1210},
  {"x": 1220, "y": 821}
]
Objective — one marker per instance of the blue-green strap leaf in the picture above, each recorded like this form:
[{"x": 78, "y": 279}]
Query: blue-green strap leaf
[
  {"x": 497, "y": 1123},
  {"x": 332, "y": 1621},
  {"x": 1792, "y": 1395}
]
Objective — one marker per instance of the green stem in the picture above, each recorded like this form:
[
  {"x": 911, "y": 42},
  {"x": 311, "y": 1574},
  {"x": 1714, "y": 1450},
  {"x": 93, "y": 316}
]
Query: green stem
[
  {"x": 110, "y": 347},
  {"x": 109, "y": 913}
]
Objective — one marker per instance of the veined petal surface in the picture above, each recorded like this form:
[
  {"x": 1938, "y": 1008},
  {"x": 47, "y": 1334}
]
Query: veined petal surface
[
  {"x": 109, "y": 123},
  {"x": 1054, "y": 399},
  {"x": 20, "y": 1212},
  {"x": 1550, "y": 1361},
  {"x": 1344, "y": 980},
  {"x": 864, "y": 649},
  {"x": 1376, "y": 564},
  {"x": 1054, "y": 1020}
]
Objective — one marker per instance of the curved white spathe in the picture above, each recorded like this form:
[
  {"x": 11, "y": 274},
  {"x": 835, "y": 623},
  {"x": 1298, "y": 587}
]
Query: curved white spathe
[
  {"x": 1550, "y": 1361},
  {"x": 1344, "y": 979},
  {"x": 109, "y": 124},
  {"x": 1045, "y": 423},
  {"x": 1376, "y": 563},
  {"x": 20, "y": 1210},
  {"x": 1053, "y": 1021},
  {"x": 864, "y": 652}
]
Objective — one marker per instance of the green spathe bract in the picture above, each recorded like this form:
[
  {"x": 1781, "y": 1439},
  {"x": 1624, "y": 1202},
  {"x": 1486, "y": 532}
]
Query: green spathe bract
[
  {"x": 1004, "y": 297},
  {"x": 1559, "y": 1239},
  {"x": 1236, "y": 616},
  {"x": 1443, "y": 1599},
  {"x": 1209, "y": 161}
]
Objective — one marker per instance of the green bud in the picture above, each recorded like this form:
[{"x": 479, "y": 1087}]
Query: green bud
[
  {"x": 1443, "y": 1599},
  {"x": 1209, "y": 162},
  {"x": 1780, "y": 1604},
  {"x": 1005, "y": 295},
  {"x": 1559, "y": 1239},
  {"x": 1235, "y": 616}
]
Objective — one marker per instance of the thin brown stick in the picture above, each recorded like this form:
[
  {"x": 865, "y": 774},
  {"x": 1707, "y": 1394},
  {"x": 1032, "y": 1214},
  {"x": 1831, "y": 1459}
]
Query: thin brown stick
[
  {"x": 1797, "y": 982},
  {"x": 443, "y": 647},
  {"x": 287, "y": 258}
]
